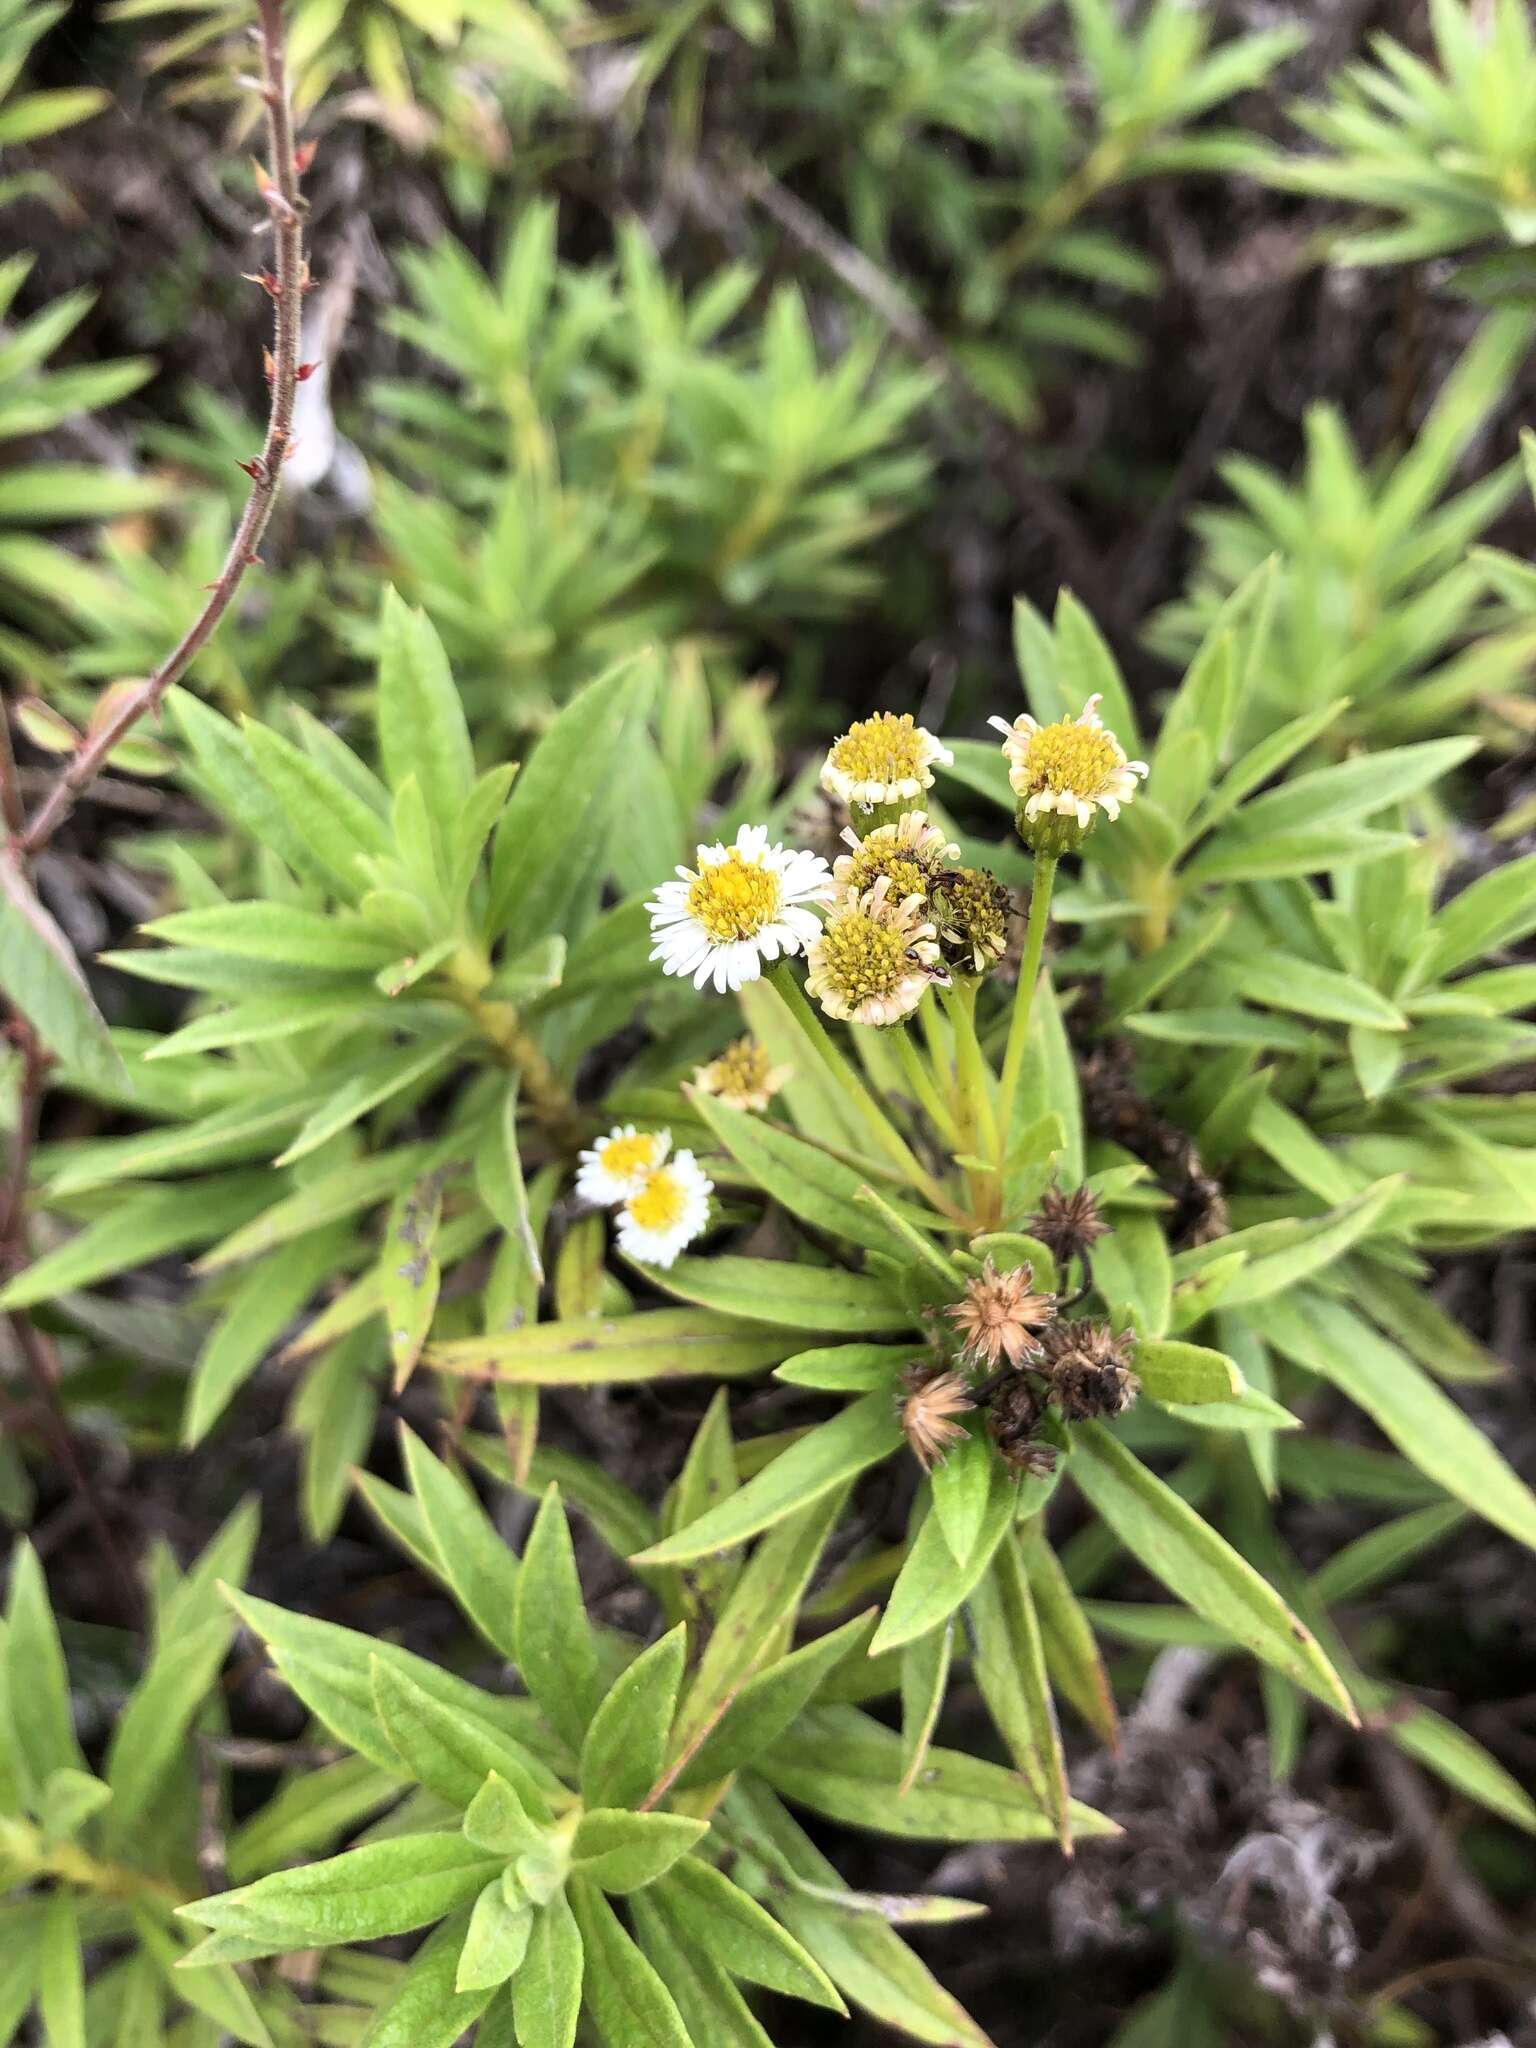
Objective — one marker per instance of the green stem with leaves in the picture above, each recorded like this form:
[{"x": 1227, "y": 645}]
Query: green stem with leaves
[
  {"x": 978, "y": 1113},
  {"x": 922, "y": 1084},
  {"x": 1024, "y": 999},
  {"x": 881, "y": 1128}
]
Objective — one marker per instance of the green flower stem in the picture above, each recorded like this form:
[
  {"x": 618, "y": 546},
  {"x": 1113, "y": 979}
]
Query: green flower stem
[
  {"x": 978, "y": 1113},
  {"x": 890, "y": 1139},
  {"x": 939, "y": 1056},
  {"x": 1024, "y": 998},
  {"x": 541, "y": 1087},
  {"x": 922, "y": 1085}
]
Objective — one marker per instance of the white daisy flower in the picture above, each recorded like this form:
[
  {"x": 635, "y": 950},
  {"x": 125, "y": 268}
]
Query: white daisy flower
[
  {"x": 666, "y": 1212},
  {"x": 882, "y": 760},
  {"x": 742, "y": 905},
  {"x": 1072, "y": 768},
  {"x": 876, "y": 959},
  {"x": 616, "y": 1166}
]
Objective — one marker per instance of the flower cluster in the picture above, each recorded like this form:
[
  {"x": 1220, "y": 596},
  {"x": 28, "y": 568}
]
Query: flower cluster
[
  {"x": 662, "y": 1202},
  {"x": 904, "y": 914},
  {"x": 1017, "y": 1358}
]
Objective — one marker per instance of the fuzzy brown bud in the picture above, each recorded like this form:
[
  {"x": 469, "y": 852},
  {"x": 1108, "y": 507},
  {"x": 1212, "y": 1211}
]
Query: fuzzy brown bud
[{"x": 1067, "y": 1224}]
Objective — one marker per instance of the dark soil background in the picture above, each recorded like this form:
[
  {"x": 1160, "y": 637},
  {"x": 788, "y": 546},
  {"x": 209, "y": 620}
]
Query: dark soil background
[{"x": 1308, "y": 1906}]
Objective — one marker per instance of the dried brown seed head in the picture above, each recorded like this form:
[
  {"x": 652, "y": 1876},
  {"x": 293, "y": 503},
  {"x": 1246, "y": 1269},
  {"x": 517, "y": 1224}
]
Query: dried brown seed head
[
  {"x": 1000, "y": 1316},
  {"x": 930, "y": 1408},
  {"x": 1089, "y": 1369}
]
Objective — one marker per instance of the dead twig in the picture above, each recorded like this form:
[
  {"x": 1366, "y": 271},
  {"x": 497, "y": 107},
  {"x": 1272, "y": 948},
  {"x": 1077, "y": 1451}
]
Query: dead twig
[{"x": 285, "y": 282}]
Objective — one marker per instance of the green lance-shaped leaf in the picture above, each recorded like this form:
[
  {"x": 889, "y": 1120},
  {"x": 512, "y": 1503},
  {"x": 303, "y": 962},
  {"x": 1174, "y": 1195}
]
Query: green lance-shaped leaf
[
  {"x": 1188, "y": 1373},
  {"x": 924, "y": 1683},
  {"x": 847, "y": 1368},
  {"x": 497, "y": 1821},
  {"x": 711, "y": 2006},
  {"x": 547, "y": 1990},
  {"x": 664, "y": 1344},
  {"x": 626, "y": 2000},
  {"x": 1010, "y": 1671},
  {"x": 552, "y": 836},
  {"x": 742, "y": 1935},
  {"x": 1071, "y": 1654},
  {"x": 40, "y": 973},
  {"x": 800, "y": 1177},
  {"x": 331, "y": 1670},
  {"x": 1403, "y": 1401},
  {"x": 471, "y": 1559},
  {"x": 41, "y": 1735},
  {"x": 770, "y": 1702},
  {"x": 792, "y": 1296},
  {"x": 961, "y": 1484},
  {"x": 450, "y": 1754},
  {"x": 425, "y": 2009},
  {"x": 420, "y": 716},
  {"x": 556, "y": 1651},
  {"x": 626, "y": 1744},
  {"x": 384, "y": 1888},
  {"x": 142, "y": 1226},
  {"x": 842, "y": 1764},
  {"x": 622, "y": 1852},
  {"x": 859, "y": 1949},
  {"x": 495, "y": 1941},
  {"x": 757, "y": 1620},
  {"x": 828, "y": 1457},
  {"x": 1199, "y": 1566},
  {"x": 930, "y": 1586},
  {"x": 61, "y": 1974},
  {"x": 409, "y": 1273}
]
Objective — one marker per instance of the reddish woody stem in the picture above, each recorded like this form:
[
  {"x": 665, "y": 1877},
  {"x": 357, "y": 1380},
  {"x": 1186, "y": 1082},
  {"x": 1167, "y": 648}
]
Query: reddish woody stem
[
  {"x": 285, "y": 283},
  {"x": 280, "y": 190}
]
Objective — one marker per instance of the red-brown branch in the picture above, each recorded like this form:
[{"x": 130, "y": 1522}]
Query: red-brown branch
[
  {"x": 285, "y": 282},
  {"x": 285, "y": 204}
]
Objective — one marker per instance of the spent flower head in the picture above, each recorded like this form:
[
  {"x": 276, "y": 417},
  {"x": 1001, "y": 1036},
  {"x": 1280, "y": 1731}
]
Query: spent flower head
[
  {"x": 742, "y": 905},
  {"x": 882, "y": 760},
  {"x": 874, "y": 961},
  {"x": 1089, "y": 1369},
  {"x": 970, "y": 908},
  {"x": 1000, "y": 1315},
  {"x": 911, "y": 853},
  {"x": 743, "y": 1076},
  {"x": 1014, "y": 1416},
  {"x": 930, "y": 1408},
  {"x": 1064, "y": 774},
  {"x": 615, "y": 1166},
  {"x": 666, "y": 1211}
]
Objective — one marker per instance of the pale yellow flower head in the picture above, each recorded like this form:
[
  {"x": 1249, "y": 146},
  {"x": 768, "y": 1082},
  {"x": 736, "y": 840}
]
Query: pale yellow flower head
[
  {"x": 911, "y": 853},
  {"x": 743, "y": 1076},
  {"x": 882, "y": 760},
  {"x": 875, "y": 959},
  {"x": 1064, "y": 774}
]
